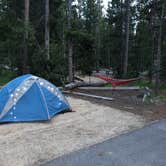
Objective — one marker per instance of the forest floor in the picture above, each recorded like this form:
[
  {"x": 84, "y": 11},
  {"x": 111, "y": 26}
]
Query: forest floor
[{"x": 128, "y": 100}]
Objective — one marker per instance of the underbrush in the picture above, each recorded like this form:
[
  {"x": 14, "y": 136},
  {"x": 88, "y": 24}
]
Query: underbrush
[{"x": 6, "y": 76}]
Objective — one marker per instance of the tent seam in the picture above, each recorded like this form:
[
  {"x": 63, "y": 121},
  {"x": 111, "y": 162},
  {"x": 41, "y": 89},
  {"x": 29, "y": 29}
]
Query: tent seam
[
  {"x": 1, "y": 114},
  {"x": 43, "y": 98}
]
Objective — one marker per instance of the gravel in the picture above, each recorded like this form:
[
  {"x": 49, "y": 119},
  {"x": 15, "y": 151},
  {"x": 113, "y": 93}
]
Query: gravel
[{"x": 28, "y": 144}]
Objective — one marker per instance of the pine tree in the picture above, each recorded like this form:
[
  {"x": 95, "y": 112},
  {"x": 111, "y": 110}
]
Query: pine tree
[
  {"x": 70, "y": 42},
  {"x": 25, "y": 67},
  {"x": 47, "y": 30},
  {"x": 127, "y": 31}
]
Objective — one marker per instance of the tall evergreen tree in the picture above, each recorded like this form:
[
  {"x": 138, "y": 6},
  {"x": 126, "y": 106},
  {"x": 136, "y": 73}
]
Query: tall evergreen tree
[
  {"x": 70, "y": 42},
  {"x": 25, "y": 67},
  {"x": 47, "y": 30},
  {"x": 55, "y": 38},
  {"x": 127, "y": 31}
]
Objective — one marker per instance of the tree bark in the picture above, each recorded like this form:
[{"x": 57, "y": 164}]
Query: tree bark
[
  {"x": 70, "y": 60},
  {"x": 25, "y": 67},
  {"x": 158, "y": 56},
  {"x": 47, "y": 30},
  {"x": 98, "y": 36},
  {"x": 73, "y": 85},
  {"x": 63, "y": 32},
  {"x": 70, "y": 44},
  {"x": 127, "y": 38},
  {"x": 120, "y": 68},
  {"x": 154, "y": 36}
]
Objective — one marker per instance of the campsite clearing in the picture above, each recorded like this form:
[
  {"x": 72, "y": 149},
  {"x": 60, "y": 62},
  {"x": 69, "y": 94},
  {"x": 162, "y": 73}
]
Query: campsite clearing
[
  {"x": 128, "y": 100},
  {"x": 26, "y": 144}
]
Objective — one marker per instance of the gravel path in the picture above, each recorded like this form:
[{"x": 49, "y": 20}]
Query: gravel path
[{"x": 27, "y": 144}]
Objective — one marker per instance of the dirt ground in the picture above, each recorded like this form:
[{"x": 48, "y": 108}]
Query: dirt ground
[
  {"x": 29, "y": 144},
  {"x": 130, "y": 101}
]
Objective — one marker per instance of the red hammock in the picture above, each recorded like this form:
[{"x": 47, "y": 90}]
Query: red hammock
[{"x": 116, "y": 82}]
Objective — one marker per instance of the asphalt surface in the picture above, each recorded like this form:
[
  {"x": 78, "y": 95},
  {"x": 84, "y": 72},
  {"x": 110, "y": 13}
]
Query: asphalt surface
[{"x": 143, "y": 147}]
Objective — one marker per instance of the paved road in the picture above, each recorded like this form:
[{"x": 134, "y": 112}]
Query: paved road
[{"x": 143, "y": 147}]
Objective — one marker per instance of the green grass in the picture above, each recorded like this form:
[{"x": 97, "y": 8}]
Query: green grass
[
  {"x": 6, "y": 76},
  {"x": 163, "y": 97},
  {"x": 108, "y": 85},
  {"x": 135, "y": 83},
  {"x": 163, "y": 87},
  {"x": 142, "y": 83}
]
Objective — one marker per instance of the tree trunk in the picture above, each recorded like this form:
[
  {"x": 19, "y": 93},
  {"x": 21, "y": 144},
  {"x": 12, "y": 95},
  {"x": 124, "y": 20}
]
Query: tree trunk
[
  {"x": 120, "y": 68},
  {"x": 98, "y": 38},
  {"x": 70, "y": 61},
  {"x": 70, "y": 44},
  {"x": 25, "y": 67},
  {"x": 158, "y": 55},
  {"x": 154, "y": 36},
  {"x": 127, "y": 38},
  {"x": 47, "y": 30},
  {"x": 97, "y": 47},
  {"x": 63, "y": 32}
]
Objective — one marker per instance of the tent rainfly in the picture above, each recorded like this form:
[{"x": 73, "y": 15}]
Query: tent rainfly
[{"x": 30, "y": 98}]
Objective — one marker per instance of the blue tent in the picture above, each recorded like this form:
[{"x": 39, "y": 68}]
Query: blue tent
[{"x": 30, "y": 98}]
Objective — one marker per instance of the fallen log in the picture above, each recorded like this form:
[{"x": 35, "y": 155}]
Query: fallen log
[
  {"x": 79, "y": 79},
  {"x": 82, "y": 84},
  {"x": 111, "y": 88},
  {"x": 89, "y": 95}
]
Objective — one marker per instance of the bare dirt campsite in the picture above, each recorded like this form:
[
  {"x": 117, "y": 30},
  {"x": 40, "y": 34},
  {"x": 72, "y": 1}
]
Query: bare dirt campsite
[
  {"x": 126, "y": 98},
  {"x": 25, "y": 144},
  {"x": 93, "y": 121}
]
